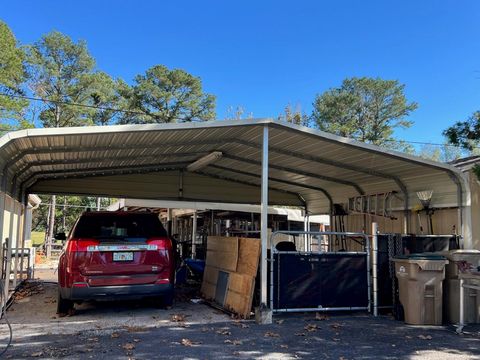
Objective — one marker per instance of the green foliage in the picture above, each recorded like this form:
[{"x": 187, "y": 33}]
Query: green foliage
[
  {"x": 465, "y": 133},
  {"x": 38, "y": 238},
  {"x": 365, "y": 109},
  {"x": 476, "y": 171},
  {"x": 68, "y": 214},
  {"x": 12, "y": 76},
  {"x": 166, "y": 96},
  {"x": 62, "y": 71},
  {"x": 106, "y": 98}
]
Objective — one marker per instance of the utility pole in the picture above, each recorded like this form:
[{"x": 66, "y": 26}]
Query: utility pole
[
  {"x": 64, "y": 212},
  {"x": 51, "y": 222}
]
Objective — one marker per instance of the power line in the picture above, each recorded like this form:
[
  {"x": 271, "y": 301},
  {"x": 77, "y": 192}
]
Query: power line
[
  {"x": 74, "y": 104},
  {"x": 428, "y": 143}
]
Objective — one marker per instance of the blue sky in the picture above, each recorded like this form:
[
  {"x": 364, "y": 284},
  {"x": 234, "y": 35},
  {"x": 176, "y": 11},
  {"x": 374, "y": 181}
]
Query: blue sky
[{"x": 263, "y": 55}]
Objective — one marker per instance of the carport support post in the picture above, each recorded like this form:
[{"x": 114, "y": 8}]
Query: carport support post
[
  {"x": 374, "y": 267},
  {"x": 305, "y": 228},
  {"x": 17, "y": 244},
  {"x": 263, "y": 315},
  {"x": 2, "y": 230},
  {"x": 194, "y": 234},
  {"x": 9, "y": 251}
]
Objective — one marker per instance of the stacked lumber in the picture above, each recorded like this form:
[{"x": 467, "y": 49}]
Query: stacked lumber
[{"x": 230, "y": 271}]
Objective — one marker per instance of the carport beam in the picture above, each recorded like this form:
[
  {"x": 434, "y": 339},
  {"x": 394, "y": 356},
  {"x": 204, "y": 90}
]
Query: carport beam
[{"x": 264, "y": 315}]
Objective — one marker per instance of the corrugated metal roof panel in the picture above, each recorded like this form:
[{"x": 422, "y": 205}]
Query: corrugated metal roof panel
[{"x": 303, "y": 163}]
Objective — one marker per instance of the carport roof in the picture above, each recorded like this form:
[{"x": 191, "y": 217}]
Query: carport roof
[{"x": 306, "y": 166}]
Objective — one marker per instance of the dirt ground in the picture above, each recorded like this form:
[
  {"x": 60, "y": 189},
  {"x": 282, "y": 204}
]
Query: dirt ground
[{"x": 137, "y": 330}]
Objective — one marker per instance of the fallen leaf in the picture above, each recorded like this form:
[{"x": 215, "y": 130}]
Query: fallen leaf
[
  {"x": 407, "y": 337},
  {"x": 320, "y": 317},
  {"x": 280, "y": 322},
  {"x": 241, "y": 324},
  {"x": 283, "y": 346},
  {"x": 37, "y": 354},
  {"x": 94, "y": 339},
  {"x": 271, "y": 334},
  {"x": 132, "y": 329},
  {"x": 188, "y": 342},
  {"x": 336, "y": 326},
  {"x": 425, "y": 337},
  {"x": 311, "y": 327},
  {"x": 223, "y": 332},
  {"x": 233, "y": 342},
  {"x": 115, "y": 335},
  {"x": 177, "y": 318},
  {"x": 136, "y": 340},
  {"x": 128, "y": 346}
]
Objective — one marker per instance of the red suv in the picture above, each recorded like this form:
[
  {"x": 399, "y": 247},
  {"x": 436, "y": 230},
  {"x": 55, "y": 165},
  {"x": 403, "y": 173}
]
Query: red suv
[{"x": 116, "y": 255}]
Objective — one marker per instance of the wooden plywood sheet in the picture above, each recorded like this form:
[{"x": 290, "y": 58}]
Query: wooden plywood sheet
[
  {"x": 241, "y": 283},
  {"x": 240, "y": 304},
  {"x": 208, "y": 290},
  {"x": 240, "y": 294},
  {"x": 222, "y": 243},
  {"x": 249, "y": 256},
  {"x": 210, "y": 274},
  {"x": 222, "y": 252},
  {"x": 237, "y": 259}
]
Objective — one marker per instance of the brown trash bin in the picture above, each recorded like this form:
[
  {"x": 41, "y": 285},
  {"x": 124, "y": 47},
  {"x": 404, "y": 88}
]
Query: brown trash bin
[
  {"x": 467, "y": 260},
  {"x": 420, "y": 278}
]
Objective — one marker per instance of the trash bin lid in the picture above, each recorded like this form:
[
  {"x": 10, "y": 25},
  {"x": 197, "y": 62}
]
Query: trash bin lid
[
  {"x": 460, "y": 254},
  {"x": 421, "y": 256}
]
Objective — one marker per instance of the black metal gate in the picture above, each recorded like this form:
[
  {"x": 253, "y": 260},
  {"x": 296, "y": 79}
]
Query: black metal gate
[{"x": 320, "y": 281}]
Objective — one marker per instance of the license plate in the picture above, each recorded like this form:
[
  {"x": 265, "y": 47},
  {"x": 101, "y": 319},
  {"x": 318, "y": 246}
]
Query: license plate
[{"x": 123, "y": 256}]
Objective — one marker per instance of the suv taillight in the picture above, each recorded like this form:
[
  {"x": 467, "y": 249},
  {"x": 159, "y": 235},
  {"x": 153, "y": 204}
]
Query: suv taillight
[
  {"x": 77, "y": 245},
  {"x": 161, "y": 243}
]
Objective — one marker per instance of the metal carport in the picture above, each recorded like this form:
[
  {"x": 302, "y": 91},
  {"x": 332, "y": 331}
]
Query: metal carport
[{"x": 243, "y": 161}]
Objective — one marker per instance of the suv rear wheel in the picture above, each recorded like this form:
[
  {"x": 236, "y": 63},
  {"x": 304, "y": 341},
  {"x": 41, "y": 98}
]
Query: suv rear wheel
[
  {"x": 64, "y": 307},
  {"x": 165, "y": 301}
]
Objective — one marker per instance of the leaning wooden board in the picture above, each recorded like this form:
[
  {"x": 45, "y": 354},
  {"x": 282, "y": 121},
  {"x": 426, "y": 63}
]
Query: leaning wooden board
[{"x": 239, "y": 257}]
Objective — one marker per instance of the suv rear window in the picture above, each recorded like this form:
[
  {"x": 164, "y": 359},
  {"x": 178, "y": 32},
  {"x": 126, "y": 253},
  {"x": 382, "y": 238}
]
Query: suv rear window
[{"x": 131, "y": 227}]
